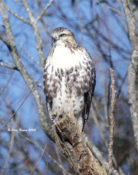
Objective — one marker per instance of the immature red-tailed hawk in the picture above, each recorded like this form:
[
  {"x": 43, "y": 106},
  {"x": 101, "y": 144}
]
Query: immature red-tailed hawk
[{"x": 69, "y": 77}]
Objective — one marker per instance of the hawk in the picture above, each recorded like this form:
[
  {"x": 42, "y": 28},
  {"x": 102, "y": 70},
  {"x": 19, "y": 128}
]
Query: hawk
[{"x": 69, "y": 77}]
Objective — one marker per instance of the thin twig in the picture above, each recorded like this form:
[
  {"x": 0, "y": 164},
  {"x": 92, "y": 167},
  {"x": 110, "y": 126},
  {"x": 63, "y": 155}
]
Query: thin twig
[
  {"x": 39, "y": 160},
  {"x": 9, "y": 66},
  {"x": 6, "y": 86},
  {"x": 18, "y": 108},
  {"x": 44, "y": 150},
  {"x": 96, "y": 118},
  {"x": 59, "y": 158},
  {"x": 121, "y": 16},
  {"x": 32, "y": 19},
  {"x": 26, "y": 53},
  {"x": 98, "y": 125},
  {"x": 111, "y": 116},
  {"x": 113, "y": 9},
  {"x": 33, "y": 23},
  {"x": 44, "y": 10},
  {"x": 14, "y": 14},
  {"x": 10, "y": 146},
  {"x": 18, "y": 2}
]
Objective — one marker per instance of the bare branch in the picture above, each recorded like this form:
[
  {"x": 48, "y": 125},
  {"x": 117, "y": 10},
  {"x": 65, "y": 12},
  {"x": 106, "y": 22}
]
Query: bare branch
[
  {"x": 10, "y": 146},
  {"x": 33, "y": 23},
  {"x": 39, "y": 160},
  {"x": 113, "y": 9},
  {"x": 131, "y": 23},
  {"x": 14, "y": 14},
  {"x": 111, "y": 126},
  {"x": 44, "y": 10},
  {"x": 96, "y": 116},
  {"x": 59, "y": 158},
  {"x": 30, "y": 15},
  {"x": 29, "y": 81},
  {"x": 43, "y": 150},
  {"x": 9, "y": 66},
  {"x": 133, "y": 68},
  {"x": 98, "y": 155},
  {"x": 26, "y": 53},
  {"x": 69, "y": 140},
  {"x": 121, "y": 16},
  {"x": 98, "y": 125}
]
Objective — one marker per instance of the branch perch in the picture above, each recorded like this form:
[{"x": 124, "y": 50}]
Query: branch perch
[
  {"x": 112, "y": 120},
  {"x": 69, "y": 139}
]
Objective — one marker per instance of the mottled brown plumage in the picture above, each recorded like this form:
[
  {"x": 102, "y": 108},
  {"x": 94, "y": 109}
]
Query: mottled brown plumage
[{"x": 69, "y": 77}]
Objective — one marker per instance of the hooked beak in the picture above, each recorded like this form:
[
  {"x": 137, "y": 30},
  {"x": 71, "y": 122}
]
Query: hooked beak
[{"x": 54, "y": 39}]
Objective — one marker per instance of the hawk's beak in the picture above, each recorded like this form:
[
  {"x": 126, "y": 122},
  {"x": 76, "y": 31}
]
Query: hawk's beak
[{"x": 54, "y": 39}]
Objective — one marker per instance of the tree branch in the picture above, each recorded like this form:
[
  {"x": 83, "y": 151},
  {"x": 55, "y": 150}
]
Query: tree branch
[
  {"x": 33, "y": 23},
  {"x": 99, "y": 156},
  {"x": 111, "y": 127},
  {"x": 29, "y": 81},
  {"x": 44, "y": 10},
  {"x": 133, "y": 68},
  {"x": 9, "y": 66},
  {"x": 10, "y": 146},
  {"x": 69, "y": 139},
  {"x": 14, "y": 14}
]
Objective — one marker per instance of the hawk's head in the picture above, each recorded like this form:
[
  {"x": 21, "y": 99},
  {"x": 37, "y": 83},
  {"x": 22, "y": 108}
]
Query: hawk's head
[{"x": 62, "y": 35}]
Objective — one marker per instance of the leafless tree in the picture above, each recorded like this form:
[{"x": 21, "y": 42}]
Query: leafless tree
[{"x": 100, "y": 26}]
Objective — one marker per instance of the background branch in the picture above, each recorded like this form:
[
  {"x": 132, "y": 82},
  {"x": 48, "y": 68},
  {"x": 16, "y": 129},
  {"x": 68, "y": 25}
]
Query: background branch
[
  {"x": 111, "y": 125},
  {"x": 44, "y": 10},
  {"x": 14, "y": 14},
  {"x": 25, "y": 28},
  {"x": 9, "y": 66},
  {"x": 25, "y": 75},
  {"x": 133, "y": 67}
]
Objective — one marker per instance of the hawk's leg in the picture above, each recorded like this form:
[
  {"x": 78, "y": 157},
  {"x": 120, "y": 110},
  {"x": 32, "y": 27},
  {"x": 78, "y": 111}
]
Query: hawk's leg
[
  {"x": 52, "y": 114},
  {"x": 81, "y": 123}
]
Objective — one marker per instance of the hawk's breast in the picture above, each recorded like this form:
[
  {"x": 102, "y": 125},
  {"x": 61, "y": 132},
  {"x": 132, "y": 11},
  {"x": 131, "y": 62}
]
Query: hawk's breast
[{"x": 67, "y": 77}]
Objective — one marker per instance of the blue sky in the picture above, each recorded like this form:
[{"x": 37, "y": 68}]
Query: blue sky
[
  {"x": 77, "y": 18},
  {"x": 25, "y": 37}
]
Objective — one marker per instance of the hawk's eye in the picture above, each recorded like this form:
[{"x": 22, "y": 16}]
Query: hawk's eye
[{"x": 63, "y": 34}]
